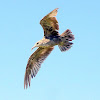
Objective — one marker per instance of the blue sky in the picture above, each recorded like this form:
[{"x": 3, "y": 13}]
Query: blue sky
[{"x": 72, "y": 75}]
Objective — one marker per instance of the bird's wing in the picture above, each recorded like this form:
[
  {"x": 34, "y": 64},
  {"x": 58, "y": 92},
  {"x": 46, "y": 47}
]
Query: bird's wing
[
  {"x": 34, "y": 63},
  {"x": 50, "y": 24}
]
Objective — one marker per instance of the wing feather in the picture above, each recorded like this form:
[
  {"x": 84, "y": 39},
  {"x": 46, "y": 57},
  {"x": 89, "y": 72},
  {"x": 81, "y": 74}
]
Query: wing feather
[
  {"x": 34, "y": 63},
  {"x": 50, "y": 23}
]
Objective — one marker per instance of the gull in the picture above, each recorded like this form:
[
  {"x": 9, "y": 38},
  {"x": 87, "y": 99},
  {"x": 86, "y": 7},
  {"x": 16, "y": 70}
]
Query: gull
[{"x": 51, "y": 38}]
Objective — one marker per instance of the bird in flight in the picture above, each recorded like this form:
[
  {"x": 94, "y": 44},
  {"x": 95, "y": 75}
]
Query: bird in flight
[{"x": 51, "y": 38}]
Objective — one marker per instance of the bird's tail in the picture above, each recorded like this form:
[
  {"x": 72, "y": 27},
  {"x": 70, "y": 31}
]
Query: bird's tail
[{"x": 66, "y": 37}]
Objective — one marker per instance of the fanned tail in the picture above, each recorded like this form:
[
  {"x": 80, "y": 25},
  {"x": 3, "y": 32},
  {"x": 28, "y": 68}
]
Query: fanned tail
[{"x": 66, "y": 37}]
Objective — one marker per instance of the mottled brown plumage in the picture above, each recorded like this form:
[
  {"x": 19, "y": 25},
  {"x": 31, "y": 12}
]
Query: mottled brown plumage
[
  {"x": 34, "y": 63},
  {"x": 46, "y": 45}
]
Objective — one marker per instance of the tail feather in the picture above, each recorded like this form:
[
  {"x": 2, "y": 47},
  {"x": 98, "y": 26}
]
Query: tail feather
[{"x": 66, "y": 37}]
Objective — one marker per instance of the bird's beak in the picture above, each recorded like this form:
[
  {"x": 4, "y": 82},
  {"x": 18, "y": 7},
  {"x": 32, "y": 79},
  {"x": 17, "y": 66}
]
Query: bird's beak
[{"x": 33, "y": 48}]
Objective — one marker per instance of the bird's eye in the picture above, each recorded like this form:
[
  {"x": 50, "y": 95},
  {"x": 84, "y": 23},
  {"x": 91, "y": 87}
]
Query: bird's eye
[{"x": 37, "y": 42}]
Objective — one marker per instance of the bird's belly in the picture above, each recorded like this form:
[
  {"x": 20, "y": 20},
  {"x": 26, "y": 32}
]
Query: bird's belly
[{"x": 54, "y": 41}]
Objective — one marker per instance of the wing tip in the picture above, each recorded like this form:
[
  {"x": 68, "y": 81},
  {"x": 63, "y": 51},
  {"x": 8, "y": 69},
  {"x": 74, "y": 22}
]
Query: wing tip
[
  {"x": 56, "y": 9},
  {"x": 27, "y": 80}
]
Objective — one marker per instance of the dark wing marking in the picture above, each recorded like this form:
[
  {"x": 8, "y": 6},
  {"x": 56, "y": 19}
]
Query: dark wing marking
[
  {"x": 34, "y": 63},
  {"x": 50, "y": 24}
]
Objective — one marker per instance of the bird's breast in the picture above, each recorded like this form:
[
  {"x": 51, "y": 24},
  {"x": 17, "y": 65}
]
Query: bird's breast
[
  {"x": 51, "y": 41},
  {"x": 54, "y": 41}
]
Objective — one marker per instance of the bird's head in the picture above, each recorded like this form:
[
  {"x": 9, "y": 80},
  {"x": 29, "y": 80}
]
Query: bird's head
[
  {"x": 37, "y": 44},
  {"x": 41, "y": 43}
]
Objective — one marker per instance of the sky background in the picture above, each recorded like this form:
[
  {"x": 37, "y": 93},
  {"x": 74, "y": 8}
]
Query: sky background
[{"x": 71, "y": 75}]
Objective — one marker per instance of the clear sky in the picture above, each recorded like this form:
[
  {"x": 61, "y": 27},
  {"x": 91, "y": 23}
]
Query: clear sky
[{"x": 71, "y": 75}]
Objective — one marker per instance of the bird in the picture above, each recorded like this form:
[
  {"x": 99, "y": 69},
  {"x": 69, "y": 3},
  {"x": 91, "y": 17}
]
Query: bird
[{"x": 51, "y": 38}]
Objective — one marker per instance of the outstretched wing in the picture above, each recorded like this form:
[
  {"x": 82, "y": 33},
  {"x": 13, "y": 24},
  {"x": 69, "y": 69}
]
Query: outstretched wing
[
  {"x": 50, "y": 24},
  {"x": 34, "y": 63}
]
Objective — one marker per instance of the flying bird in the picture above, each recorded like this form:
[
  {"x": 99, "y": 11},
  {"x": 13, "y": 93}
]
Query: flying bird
[{"x": 51, "y": 38}]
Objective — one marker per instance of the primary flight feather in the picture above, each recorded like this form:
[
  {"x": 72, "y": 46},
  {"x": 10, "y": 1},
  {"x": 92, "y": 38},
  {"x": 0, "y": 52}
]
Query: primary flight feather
[{"x": 46, "y": 45}]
